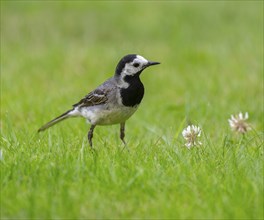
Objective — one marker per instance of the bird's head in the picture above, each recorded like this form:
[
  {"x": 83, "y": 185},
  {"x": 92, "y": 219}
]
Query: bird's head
[{"x": 132, "y": 65}]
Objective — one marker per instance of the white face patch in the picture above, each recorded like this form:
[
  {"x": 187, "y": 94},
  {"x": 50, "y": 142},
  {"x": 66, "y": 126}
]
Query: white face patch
[{"x": 134, "y": 67}]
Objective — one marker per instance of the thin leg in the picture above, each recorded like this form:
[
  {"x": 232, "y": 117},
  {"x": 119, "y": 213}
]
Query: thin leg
[
  {"x": 122, "y": 132},
  {"x": 90, "y": 135}
]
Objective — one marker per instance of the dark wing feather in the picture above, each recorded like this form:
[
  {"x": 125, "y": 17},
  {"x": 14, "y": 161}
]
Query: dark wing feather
[{"x": 96, "y": 97}]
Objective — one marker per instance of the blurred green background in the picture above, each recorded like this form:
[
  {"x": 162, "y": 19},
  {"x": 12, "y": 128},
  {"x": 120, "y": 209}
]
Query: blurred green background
[
  {"x": 211, "y": 55},
  {"x": 55, "y": 52}
]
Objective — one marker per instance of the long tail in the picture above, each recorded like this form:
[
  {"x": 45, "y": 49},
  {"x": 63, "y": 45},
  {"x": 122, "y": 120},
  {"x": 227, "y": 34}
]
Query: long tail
[{"x": 57, "y": 120}]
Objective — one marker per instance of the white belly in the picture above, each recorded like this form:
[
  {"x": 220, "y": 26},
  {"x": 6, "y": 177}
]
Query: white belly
[{"x": 99, "y": 115}]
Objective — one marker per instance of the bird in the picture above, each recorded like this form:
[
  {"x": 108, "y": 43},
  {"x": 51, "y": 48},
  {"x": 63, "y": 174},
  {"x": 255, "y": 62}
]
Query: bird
[{"x": 112, "y": 102}]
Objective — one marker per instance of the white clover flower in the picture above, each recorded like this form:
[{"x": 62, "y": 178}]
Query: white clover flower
[
  {"x": 191, "y": 134},
  {"x": 1, "y": 154},
  {"x": 238, "y": 123}
]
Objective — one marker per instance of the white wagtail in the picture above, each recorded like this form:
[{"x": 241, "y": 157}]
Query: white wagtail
[{"x": 114, "y": 101}]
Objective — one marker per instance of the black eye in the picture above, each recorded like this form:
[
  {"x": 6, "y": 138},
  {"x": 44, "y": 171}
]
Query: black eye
[{"x": 136, "y": 64}]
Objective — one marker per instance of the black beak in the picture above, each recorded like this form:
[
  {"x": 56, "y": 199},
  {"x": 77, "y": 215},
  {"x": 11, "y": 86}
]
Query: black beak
[{"x": 151, "y": 63}]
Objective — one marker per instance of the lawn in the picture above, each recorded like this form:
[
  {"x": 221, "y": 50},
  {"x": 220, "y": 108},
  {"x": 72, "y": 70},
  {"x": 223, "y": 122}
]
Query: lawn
[{"x": 55, "y": 52}]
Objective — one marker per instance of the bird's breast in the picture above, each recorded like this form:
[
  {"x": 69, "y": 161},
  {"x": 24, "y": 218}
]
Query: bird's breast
[{"x": 133, "y": 94}]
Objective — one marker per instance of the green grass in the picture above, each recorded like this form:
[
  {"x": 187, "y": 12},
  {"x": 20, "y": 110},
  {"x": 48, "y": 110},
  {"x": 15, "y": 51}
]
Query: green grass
[{"x": 53, "y": 53}]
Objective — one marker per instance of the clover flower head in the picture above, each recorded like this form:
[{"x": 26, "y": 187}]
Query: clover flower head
[
  {"x": 191, "y": 135},
  {"x": 238, "y": 123}
]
